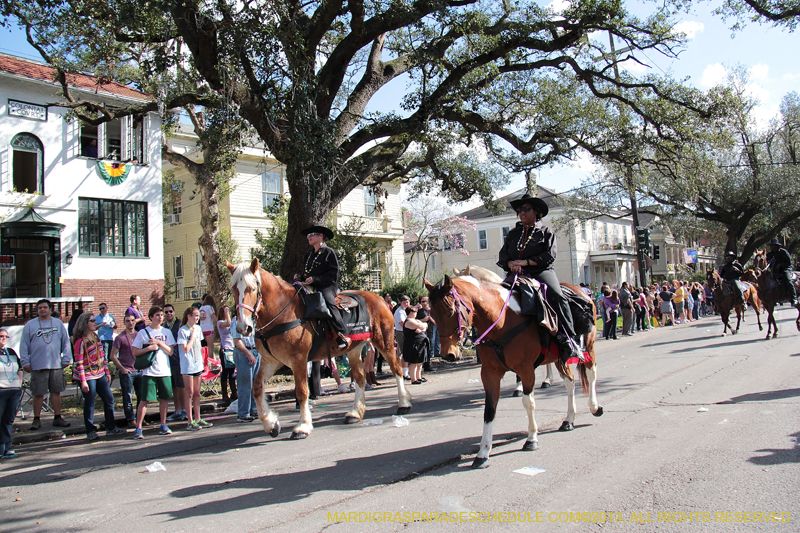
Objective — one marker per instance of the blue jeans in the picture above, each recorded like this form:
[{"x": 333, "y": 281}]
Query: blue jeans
[
  {"x": 100, "y": 387},
  {"x": 130, "y": 382},
  {"x": 245, "y": 373},
  {"x": 9, "y": 400},
  {"x": 433, "y": 336}
]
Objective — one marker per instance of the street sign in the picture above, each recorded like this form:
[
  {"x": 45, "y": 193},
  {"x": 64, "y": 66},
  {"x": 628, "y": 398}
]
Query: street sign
[{"x": 6, "y": 261}]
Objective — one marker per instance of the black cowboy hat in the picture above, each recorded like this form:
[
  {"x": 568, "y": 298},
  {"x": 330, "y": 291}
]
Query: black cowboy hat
[
  {"x": 536, "y": 203},
  {"x": 318, "y": 229},
  {"x": 730, "y": 254}
]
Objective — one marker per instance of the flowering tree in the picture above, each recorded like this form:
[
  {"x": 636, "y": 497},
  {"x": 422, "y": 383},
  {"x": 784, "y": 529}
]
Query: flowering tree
[{"x": 432, "y": 226}]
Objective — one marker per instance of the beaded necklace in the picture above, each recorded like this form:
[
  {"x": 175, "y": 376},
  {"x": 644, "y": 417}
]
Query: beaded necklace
[
  {"x": 523, "y": 242},
  {"x": 312, "y": 258},
  {"x": 8, "y": 365},
  {"x": 47, "y": 336}
]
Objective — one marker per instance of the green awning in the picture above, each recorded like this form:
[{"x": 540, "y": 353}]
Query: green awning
[{"x": 30, "y": 224}]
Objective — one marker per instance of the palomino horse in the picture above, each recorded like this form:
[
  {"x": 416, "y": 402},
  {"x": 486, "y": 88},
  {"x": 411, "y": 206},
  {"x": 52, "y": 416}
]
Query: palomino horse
[
  {"x": 272, "y": 309},
  {"x": 462, "y": 302},
  {"x": 724, "y": 300},
  {"x": 769, "y": 290}
]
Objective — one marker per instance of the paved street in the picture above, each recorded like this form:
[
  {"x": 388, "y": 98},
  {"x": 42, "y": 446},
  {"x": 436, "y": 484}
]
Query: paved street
[{"x": 697, "y": 427}]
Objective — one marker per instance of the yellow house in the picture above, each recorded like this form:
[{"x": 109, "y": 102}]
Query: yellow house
[{"x": 259, "y": 179}]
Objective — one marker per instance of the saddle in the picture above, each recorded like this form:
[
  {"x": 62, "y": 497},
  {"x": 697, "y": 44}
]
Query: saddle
[{"x": 345, "y": 302}]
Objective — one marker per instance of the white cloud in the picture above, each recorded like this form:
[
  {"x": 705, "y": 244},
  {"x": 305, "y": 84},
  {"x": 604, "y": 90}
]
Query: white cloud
[
  {"x": 559, "y": 6},
  {"x": 634, "y": 67},
  {"x": 759, "y": 72},
  {"x": 690, "y": 28},
  {"x": 759, "y": 92},
  {"x": 713, "y": 75}
]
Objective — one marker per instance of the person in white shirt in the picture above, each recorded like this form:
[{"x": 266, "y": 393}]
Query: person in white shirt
[
  {"x": 156, "y": 379},
  {"x": 191, "y": 356}
]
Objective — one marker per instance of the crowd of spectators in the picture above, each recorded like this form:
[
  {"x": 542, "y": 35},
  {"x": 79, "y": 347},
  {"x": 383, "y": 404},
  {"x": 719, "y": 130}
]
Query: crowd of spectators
[{"x": 642, "y": 308}]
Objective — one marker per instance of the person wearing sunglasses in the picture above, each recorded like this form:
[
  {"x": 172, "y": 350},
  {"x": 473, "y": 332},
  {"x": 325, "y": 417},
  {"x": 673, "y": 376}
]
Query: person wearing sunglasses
[
  {"x": 320, "y": 269},
  {"x": 530, "y": 250},
  {"x": 105, "y": 327}
]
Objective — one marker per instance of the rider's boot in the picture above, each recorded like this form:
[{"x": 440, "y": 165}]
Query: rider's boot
[
  {"x": 342, "y": 342},
  {"x": 568, "y": 348}
]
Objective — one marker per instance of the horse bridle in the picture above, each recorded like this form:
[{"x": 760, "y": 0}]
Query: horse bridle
[
  {"x": 298, "y": 288},
  {"x": 463, "y": 311}
]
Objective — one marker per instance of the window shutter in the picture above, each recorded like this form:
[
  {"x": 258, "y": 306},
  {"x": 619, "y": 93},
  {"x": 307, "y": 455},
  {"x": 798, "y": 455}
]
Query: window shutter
[
  {"x": 102, "y": 143},
  {"x": 145, "y": 155},
  {"x": 127, "y": 137},
  {"x": 73, "y": 128}
]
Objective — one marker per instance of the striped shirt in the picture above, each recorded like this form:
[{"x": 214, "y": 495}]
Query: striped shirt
[{"x": 90, "y": 360}]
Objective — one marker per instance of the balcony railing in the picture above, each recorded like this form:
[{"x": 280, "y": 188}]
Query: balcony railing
[{"x": 17, "y": 311}]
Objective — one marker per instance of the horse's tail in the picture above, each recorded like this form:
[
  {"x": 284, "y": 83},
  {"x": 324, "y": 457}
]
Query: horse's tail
[
  {"x": 564, "y": 370},
  {"x": 584, "y": 378}
]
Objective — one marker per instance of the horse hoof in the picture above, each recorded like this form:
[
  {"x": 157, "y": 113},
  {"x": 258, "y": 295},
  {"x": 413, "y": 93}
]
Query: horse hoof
[
  {"x": 403, "y": 410},
  {"x": 566, "y": 426},
  {"x": 517, "y": 394},
  {"x": 299, "y": 435},
  {"x": 545, "y": 385},
  {"x": 480, "y": 462},
  {"x": 599, "y": 411},
  {"x": 530, "y": 446},
  {"x": 351, "y": 420},
  {"x": 276, "y": 429}
]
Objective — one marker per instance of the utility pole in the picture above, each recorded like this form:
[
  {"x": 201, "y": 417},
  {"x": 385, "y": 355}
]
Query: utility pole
[{"x": 631, "y": 186}]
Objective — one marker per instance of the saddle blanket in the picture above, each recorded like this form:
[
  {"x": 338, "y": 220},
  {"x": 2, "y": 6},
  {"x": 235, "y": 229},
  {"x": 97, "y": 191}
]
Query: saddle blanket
[{"x": 354, "y": 315}]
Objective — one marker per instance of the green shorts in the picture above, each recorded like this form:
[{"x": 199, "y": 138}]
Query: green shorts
[{"x": 156, "y": 388}]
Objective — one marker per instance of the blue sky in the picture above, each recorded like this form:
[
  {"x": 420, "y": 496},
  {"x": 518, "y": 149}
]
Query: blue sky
[{"x": 770, "y": 54}]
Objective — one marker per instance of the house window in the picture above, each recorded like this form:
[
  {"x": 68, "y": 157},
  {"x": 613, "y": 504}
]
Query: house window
[
  {"x": 505, "y": 233},
  {"x": 625, "y": 236},
  {"x": 112, "y": 228},
  {"x": 200, "y": 272},
  {"x": 122, "y": 139},
  {"x": 583, "y": 231},
  {"x": 172, "y": 210},
  {"x": 483, "y": 243},
  {"x": 177, "y": 269},
  {"x": 371, "y": 203},
  {"x": 270, "y": 188},
  {"x": 27, "y": 153},
  {"x": 605, "y": 232}
]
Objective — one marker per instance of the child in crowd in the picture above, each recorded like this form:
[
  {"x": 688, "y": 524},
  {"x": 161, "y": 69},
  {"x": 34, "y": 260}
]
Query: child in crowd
[{"x": 191, "y": 353}]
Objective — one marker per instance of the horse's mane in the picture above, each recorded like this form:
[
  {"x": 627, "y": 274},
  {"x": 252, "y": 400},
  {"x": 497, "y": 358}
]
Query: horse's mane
[{"x": 243, "y": 273}]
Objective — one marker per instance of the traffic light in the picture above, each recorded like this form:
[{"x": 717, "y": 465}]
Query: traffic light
[
  {"x": 643, "y": 238},
  {"x": 656, "y": 252}
]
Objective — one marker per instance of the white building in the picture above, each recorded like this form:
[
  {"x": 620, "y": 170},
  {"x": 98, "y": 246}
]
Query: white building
[
  {"x": 588, "y": 252},
  {"x": 258, "y": 181},
  {"x": 80, "y": 206}
]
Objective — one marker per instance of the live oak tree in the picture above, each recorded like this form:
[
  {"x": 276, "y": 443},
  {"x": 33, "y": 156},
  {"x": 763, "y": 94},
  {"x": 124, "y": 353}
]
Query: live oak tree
[{"x": 508, "y": 80}]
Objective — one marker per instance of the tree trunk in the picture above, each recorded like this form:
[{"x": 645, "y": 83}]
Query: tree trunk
[
  {"x": 209, "y": 240},
  {"x": 305, "y": 209}
]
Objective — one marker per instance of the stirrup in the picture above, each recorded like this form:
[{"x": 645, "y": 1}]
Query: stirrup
[{"x": 343, "y": 342}]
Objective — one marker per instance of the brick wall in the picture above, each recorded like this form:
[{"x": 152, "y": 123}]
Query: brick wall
[{"x": 116, "y": 293}]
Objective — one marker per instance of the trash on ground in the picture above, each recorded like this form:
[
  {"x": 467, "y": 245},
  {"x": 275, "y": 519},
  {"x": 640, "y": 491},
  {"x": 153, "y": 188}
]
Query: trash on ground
[
  {"x": 233, "y": 408},
  {"x": 703, "y": 410},
  {"x": 155, "y": 467},
  {"x": 474, "y": 381},
  {"x": 530, "y": 470},
  {"x": 373, "y": 422},
  {"x": 399, "y": 421}
]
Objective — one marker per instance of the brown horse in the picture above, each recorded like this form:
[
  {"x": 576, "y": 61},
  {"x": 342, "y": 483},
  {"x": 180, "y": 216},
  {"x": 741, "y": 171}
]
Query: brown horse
[
  {"x": 769, "y": 290},
  {"x": 725, "y": 301},
  {"x": 272, "y": 309},
  {"x": 460, "y": 303}
]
